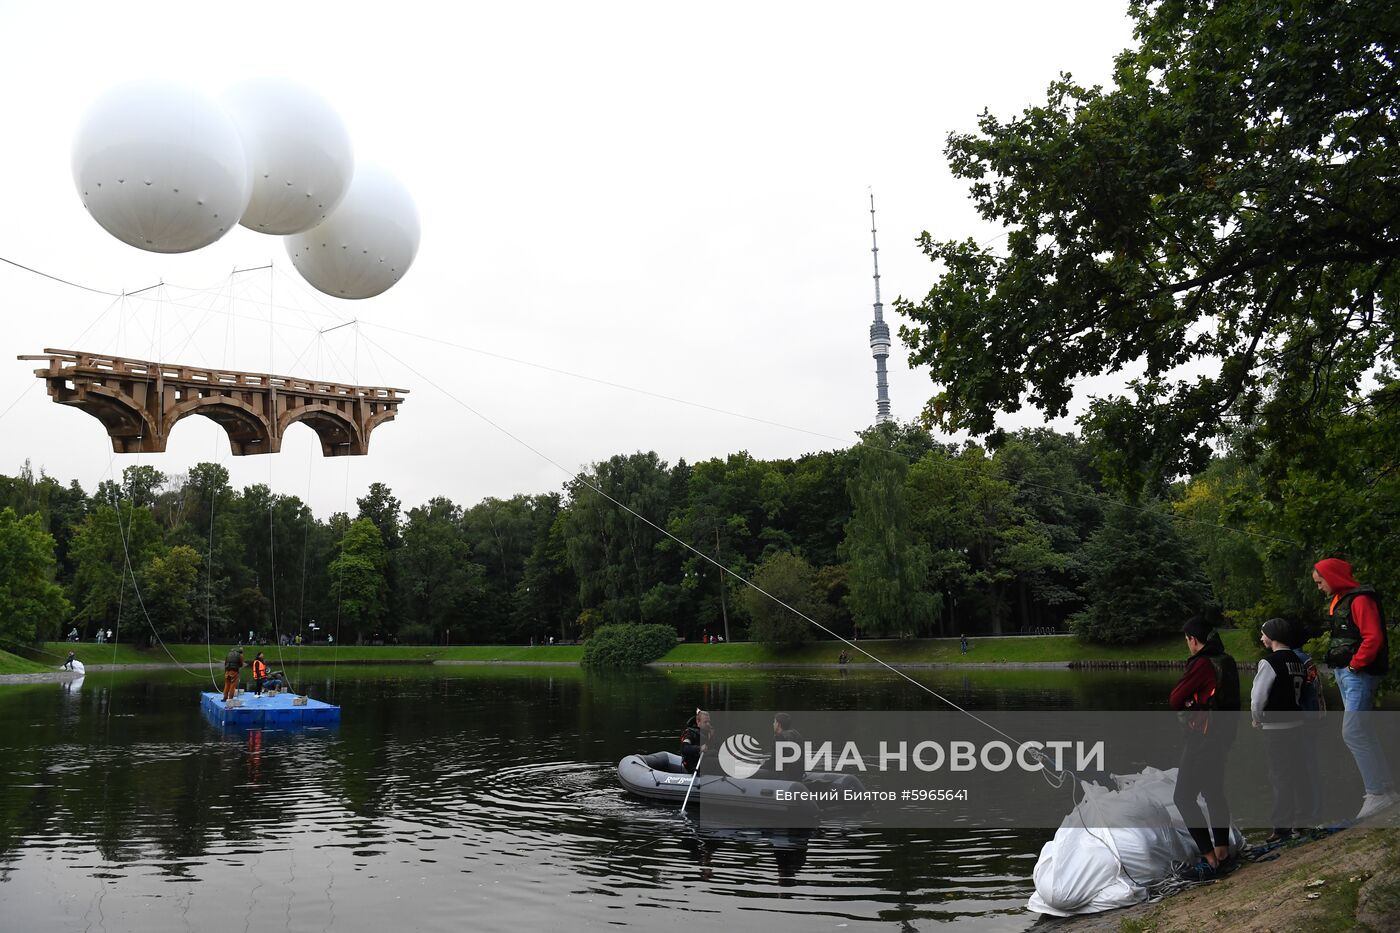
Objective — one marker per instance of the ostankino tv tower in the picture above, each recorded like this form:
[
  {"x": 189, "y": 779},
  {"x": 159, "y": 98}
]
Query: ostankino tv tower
[{"x": 879, "y": 333}]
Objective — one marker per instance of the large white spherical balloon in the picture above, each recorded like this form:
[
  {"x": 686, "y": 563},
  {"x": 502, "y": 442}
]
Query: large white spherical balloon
[
  {"x": 366, "y": 244},
  {"x": 298, "y": 151},
  {"x": 160, "y": 166}
]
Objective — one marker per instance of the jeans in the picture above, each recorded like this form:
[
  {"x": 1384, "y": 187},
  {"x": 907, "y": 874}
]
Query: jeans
[{"x": 1359, "y": 700}]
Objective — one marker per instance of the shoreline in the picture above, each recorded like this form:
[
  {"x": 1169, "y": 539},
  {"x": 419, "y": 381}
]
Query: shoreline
[{"x": 60, "y": 676}]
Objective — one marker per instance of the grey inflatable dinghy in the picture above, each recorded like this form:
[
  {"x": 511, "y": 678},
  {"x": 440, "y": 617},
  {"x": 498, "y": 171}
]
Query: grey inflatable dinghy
[{"x": 662, "y": 776}]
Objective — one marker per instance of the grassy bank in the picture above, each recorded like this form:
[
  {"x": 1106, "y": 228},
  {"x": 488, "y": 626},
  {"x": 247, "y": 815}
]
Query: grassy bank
[
  {"x": 13, "y": 664},
  {"x": 1014, "y": 650}
]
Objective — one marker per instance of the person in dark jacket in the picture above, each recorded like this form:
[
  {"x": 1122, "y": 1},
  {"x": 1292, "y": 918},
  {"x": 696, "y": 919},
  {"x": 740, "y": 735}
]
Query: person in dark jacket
[
  {"x": 1206, "y": 698},
  {"x": 1359, "y": 655},
  {"x": 1275, "y": 706},
  {"x": 695, "y": 738},
  {"x": 233, "y": 664}
]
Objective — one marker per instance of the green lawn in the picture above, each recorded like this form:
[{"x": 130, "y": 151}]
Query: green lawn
[
  {"x": 944, "y": 650},
  {"x": 13, "y": 664},
  {"x": 1059, "y": 648}
]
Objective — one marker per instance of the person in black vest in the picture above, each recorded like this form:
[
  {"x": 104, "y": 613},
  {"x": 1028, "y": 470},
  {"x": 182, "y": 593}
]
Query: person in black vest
[
  {"x": 1358, "y": 652},
  {"x": 1275, "y": 707},
  {"x": 1210, "y": 685}
]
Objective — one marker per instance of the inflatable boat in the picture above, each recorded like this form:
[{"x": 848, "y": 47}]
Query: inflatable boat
[{"x": 662, "y": 776}]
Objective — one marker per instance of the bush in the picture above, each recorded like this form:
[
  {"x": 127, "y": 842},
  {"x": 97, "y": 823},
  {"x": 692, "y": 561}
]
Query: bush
[{"x": 627, "y": 645}]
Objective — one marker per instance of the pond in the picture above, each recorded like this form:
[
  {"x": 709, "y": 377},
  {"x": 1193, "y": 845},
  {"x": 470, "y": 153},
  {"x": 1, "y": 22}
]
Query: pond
[{"x": 469, "y": 797}]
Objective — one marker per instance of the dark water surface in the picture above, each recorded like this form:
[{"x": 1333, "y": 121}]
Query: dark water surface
[{"x": 468, "y": 798}]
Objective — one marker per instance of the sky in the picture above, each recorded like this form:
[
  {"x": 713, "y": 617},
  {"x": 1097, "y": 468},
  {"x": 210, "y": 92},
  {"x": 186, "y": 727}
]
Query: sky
[{"x": 666, "y": 197}]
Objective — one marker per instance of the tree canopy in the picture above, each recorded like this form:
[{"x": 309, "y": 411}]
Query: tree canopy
[{"x": 1226, "y": 216}]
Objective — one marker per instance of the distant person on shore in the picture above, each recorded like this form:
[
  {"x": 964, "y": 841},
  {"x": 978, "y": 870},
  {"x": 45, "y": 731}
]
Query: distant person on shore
[
  {"x": 1275, "y": 707},
  {"x": 259, "y": 673},
  {"x": 1210, "y": 684},
  {"x": 109, "y": 634},
  {"x": 1359, "y": 655},
  {"x": 233, "y": 664},
  {"x": 962, "y": 642},
  {"x": 695, "y": 738}
]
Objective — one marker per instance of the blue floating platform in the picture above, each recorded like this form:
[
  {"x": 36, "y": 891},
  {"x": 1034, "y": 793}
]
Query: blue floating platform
[{"x": 270, "y": 709}]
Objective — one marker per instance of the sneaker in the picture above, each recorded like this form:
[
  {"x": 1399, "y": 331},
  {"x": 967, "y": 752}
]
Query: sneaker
[
  {"x": 1201, "y": 871},
  {"x": 1375, "y": 803},
  {"x": 1280, "y": 835}
]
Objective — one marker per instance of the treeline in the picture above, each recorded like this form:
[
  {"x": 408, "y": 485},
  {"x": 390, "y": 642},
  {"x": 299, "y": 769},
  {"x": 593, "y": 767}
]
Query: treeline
[{"x": 895, "y": 536}]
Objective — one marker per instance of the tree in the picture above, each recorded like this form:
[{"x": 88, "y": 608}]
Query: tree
[
  {"x": 112, "y": 546},
  {"x": 380, "y": 507},
  {"x": 1232, "y": 203},
  {"x": 31, "y": 604},
  {"x": 1143, "y": 581},
  {"x": 789, "y": 578},
  {"x": 169, "y": 591},
  {"x": 439, "y": 581},
  {"x": 613, "y": 552},
  {"x": 357, "y": 578},
  {"x": 887, "y": 569}
]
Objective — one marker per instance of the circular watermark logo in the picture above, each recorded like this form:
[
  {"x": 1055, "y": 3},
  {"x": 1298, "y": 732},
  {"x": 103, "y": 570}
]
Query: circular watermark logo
[{"x": 741, "y": 755}]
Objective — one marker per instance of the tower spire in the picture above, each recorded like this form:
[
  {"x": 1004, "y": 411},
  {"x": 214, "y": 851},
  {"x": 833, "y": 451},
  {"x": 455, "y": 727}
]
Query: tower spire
[{"x": 879, "y": 332}]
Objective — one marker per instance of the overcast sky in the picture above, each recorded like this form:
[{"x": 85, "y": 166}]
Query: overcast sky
[{"x": 672, "y": 197}]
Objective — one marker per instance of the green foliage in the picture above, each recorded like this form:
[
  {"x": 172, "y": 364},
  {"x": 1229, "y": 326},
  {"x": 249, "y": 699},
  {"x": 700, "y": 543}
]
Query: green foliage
[
  {"x": 439, "y": 582},
  {"x": 1143, "y": 581},
  {"x": 625, "y": 646},
  {"x": 1228, "y": 202},
  {"x": 31, "y": 604},
  {"x": 789, "y": 578},
  {"x": 357, "y": 578},
  {"x": 887, "y": 568},
  {"x": 589, "y": 622},
  {"x": 170, "y": 589}
]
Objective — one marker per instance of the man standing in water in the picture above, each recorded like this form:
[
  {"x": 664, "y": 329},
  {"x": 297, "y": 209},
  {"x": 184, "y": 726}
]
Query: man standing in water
[
  {"x": 232, "y": 665},
  {"x": 1208, "y": 696},
  {"x": 1359, "y": 655}
]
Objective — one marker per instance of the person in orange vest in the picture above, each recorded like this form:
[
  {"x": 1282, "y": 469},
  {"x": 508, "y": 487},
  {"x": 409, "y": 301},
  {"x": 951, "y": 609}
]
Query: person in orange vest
[{"x": 259, "y": 673}]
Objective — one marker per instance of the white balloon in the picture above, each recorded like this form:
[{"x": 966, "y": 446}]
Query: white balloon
[
  {"x": 298, "y": 151},
  {"x": 366, "y": 244},
  {"x": 160, "y": 166}
]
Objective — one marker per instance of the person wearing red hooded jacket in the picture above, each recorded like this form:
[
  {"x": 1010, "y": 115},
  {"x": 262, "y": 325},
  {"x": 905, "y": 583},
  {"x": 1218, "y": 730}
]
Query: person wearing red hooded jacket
[{"x": 1359, "y": 654}]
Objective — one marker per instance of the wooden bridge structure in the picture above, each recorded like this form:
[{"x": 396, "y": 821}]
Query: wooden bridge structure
[{"x": 139, "y": 402}]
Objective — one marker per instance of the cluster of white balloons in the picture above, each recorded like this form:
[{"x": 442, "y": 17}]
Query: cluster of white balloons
[{"x": 165, "y": 168}]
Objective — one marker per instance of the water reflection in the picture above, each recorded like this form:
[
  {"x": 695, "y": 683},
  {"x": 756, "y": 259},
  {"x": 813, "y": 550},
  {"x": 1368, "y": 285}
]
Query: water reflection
[{"x": 460, "y": 794}]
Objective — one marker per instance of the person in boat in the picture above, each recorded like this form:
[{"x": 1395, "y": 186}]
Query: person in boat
[
  {"x": 783, "y": 732},
  {"x": 1359, "y": 655},
  {"x": 1275, "y": 707},
  {"x": 259, "y": 673},
  {"x": 274, "y": 682},
  {"x": 233, "y": 664},
  {"x": 1206, "y": 697},
  {"x": 695, "y": 738}
]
